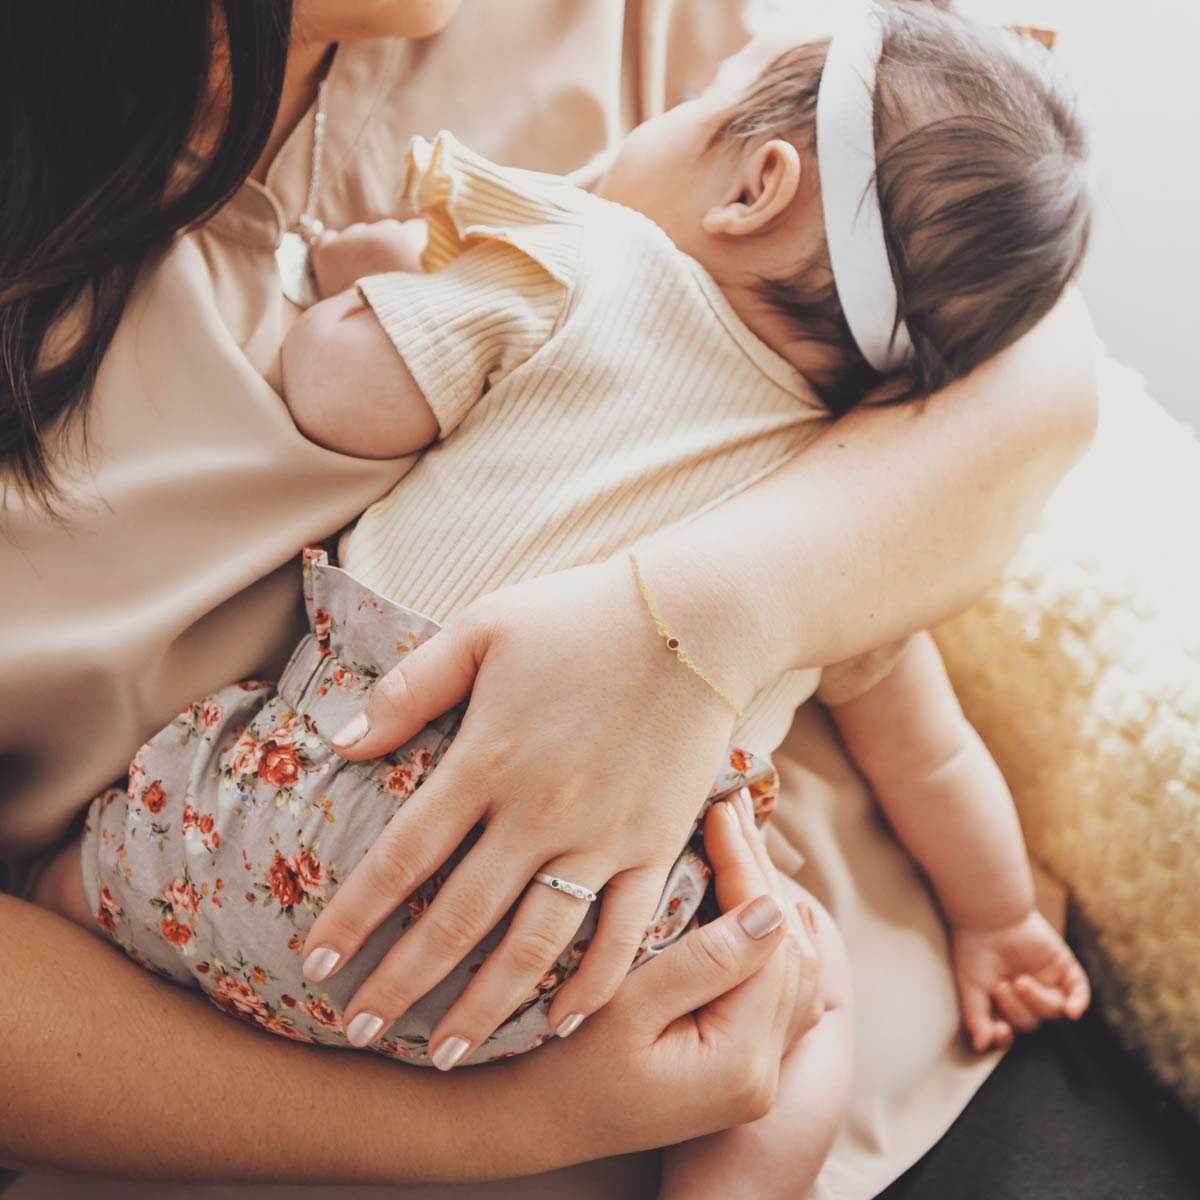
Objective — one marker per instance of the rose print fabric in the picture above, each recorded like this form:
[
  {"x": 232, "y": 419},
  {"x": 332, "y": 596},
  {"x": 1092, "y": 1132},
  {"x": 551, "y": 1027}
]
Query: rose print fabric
[{"x": 239, "y": 821}]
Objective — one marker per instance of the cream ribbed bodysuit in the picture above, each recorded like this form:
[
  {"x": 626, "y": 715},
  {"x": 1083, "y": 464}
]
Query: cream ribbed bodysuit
[{"x": 592, "y": 386}]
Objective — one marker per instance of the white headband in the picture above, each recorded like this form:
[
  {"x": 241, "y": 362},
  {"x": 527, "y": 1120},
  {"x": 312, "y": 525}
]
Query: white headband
[{"x": 850, "y": 195}]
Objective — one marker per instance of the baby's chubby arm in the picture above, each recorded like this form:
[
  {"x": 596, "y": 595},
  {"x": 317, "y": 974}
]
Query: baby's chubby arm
[
  {"x": 948, "y": 803},
  {"x": 344, "y": 383},
  {"x": 941, "y": 789}
]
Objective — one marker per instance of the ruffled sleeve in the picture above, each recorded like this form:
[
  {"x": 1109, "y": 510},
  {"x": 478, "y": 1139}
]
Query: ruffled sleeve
[
  {"x": 466, "y": 200},
  {"x": 501, "y": 260}
]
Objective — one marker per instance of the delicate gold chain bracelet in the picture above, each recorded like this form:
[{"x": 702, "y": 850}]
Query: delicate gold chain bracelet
[{"x": 673, "y": 642}]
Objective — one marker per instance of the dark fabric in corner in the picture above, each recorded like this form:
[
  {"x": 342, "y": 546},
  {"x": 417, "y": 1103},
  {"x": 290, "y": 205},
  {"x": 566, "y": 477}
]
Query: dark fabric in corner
[{"x": 1067, "y": 1115}]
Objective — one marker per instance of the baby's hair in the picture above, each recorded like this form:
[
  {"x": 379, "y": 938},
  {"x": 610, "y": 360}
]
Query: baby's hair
[{"x": 982, "y": 186}]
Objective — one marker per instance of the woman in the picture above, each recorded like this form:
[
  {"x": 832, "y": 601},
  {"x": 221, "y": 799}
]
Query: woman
[{"x": 196, "y": 492}]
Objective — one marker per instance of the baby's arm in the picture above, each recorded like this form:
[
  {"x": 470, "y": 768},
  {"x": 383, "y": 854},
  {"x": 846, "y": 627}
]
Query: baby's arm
[
  {"x": 949, "y": 805},
  {"x": 346, "y": 386}
]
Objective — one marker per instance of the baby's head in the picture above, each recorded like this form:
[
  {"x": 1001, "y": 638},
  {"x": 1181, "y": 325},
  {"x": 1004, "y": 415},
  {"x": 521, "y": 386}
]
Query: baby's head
[{"x": 979, "y": 170}]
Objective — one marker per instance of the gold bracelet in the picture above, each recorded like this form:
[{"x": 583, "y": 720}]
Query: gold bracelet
[{"x": 673, "y": 643}]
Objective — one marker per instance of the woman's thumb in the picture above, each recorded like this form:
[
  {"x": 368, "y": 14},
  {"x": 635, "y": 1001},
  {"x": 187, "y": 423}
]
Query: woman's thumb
[
  {"x": 426, "y": 683},
  {"x": 709, "y": 961}
]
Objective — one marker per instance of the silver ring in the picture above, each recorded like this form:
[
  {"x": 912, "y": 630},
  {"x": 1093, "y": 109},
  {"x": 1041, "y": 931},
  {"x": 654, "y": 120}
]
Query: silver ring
[{"x": 561, "y": 885}]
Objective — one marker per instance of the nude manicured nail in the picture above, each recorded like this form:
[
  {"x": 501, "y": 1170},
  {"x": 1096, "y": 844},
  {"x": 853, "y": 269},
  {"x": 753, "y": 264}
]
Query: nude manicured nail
[
  {"x": 747, "y": 803},
  {"x": 353, "y": 731},
  {"x": 320, "y": 963},
  {"x": 568, "y": 1025},
  {"x": 363, "y": 1028},
  {"x": 449, "y": 1052},
  {"x": 760, "y": 916}
]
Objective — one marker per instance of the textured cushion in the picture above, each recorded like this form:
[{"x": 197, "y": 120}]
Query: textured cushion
[{"x": 1081, "y": 670}]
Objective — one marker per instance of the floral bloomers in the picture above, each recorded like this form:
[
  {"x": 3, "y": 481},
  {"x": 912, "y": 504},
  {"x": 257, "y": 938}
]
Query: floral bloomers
[{"x": 239, "y": 822}]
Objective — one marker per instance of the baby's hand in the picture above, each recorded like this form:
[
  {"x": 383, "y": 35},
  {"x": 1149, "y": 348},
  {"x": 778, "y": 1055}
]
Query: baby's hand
[
  {"x": 338, "y": 259},
  {"x": 1016, "y": 977}
]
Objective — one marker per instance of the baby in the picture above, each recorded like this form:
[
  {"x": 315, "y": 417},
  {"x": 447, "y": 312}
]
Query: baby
[{"x": 827, "y": 220}]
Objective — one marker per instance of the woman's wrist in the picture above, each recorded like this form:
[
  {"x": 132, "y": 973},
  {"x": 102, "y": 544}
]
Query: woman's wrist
[
  {"x": 720, "y": 618},
  {"x": 894, "y": 520}
]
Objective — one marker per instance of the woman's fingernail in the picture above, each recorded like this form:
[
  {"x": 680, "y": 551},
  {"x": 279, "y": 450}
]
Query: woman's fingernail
[
  {"x": 449, "y": 1052},
  {"x": 568, "y": 1025},
  {"x": 747, "y": 803},
  {"x": 727, "y": 813},
  {"x": 363, "y": 1028},
  {"x": 320, "y": 963},
  {"x": 760, "y": 916},
  {"x": 353, "y": 731}
]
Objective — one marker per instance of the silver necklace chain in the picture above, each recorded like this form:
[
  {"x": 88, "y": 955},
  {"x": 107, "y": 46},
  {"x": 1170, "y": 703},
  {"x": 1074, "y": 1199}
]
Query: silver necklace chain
[
  {"x": 292, "y": 255},
  {"x": 306, "y": 223}
]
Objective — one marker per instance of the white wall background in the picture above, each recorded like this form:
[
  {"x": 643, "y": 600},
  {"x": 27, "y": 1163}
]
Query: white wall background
[{"x": 1136, "y": 66}]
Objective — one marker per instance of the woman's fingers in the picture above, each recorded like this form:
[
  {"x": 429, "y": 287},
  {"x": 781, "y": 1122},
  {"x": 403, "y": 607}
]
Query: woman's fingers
[
  {"x": 427, "y": 682},
  {"x": 741, "y": 867},
  {"x": 413, "y": 844},
  {"x": 627, "y": 905},
  {"x": 517, "y": 971},
  {"x": 706, "y": 964},
  {"x": 775, "y": 1003},
  {"x": 737, "y": 870},
  {"x": 742, "y": 1022},
  {"x": 479, "y": 891},
  {"x": 663, "y": 1052}
]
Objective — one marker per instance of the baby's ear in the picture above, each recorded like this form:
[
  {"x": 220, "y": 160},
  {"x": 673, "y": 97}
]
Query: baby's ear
[{"x": 764, "y": 187}]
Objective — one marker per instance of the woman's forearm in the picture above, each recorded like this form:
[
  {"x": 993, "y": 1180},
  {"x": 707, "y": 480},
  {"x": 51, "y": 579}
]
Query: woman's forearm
[
  {"x": 108, "y": 1069},
  {"x": 895, "y": 519}
]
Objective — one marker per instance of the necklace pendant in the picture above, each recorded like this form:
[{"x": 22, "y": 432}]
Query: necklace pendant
[{"x": 295, "y": 272}]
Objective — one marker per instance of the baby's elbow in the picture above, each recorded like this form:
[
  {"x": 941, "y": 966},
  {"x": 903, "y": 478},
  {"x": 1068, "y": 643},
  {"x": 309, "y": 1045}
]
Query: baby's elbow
[
  {"x": 346, "y": 386},
  {"x": 304, "y": 364}
]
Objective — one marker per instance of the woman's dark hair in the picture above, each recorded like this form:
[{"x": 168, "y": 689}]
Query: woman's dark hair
[
  {"x": 982, "y": 187},
  {"x": 100, "y": 103}
]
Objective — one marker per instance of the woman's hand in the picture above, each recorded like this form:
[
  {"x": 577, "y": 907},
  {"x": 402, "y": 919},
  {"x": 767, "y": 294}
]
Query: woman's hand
[
  {"x": 618, "y": 746},
  {"x": 80, "y": 1080},
  {"x": 648, "y": 1070}
]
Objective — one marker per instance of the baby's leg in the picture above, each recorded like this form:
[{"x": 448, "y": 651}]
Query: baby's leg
[
  {"x": 780, "y": 1154},
  {"x": 60, "y": 888}
]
